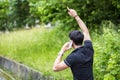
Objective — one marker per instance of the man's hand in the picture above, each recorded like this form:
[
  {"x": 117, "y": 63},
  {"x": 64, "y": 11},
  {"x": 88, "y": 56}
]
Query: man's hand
[
  {"x": 72, "y": 12},
  {"x": 65, "y": 47}
]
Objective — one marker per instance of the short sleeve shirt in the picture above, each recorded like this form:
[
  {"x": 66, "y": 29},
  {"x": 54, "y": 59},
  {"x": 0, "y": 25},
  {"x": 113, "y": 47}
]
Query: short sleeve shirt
[{"x": 80, "y": 61}]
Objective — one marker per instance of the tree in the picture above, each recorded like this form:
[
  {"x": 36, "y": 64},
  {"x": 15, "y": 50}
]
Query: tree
[
  {"x": 4, "y": 8},
  {"x": 93, "y": 12},
  {"x": 21, "y": 12}
]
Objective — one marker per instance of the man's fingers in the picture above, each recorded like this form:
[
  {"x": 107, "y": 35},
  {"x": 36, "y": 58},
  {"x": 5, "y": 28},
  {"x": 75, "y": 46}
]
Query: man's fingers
[
  {"x": 69, "y": 13},
  {"x": 68, "y": 8}
]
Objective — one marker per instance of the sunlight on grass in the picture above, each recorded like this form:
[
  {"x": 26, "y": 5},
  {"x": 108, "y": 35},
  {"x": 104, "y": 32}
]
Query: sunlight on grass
[{"x": 36, "y": 48}]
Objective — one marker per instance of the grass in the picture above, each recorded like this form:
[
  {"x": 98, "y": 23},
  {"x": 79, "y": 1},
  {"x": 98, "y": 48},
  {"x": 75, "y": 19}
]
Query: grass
[{"x": 36, "y": 48}]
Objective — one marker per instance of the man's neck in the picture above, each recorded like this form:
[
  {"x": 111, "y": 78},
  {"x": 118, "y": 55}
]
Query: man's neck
[{"x": 76, "y": 46}]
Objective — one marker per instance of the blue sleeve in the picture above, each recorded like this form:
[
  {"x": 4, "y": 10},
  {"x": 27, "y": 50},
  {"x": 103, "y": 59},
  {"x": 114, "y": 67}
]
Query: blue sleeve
[
  {"x": 88, "y": 50},
  {"x": 70, "y": 60}
]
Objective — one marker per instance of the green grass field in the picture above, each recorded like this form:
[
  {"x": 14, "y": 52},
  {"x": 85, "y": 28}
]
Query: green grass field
[{"x": 36, "y": 48}]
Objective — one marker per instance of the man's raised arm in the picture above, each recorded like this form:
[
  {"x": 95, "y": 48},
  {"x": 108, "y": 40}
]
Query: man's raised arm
[{"x": 81, "y": 24}]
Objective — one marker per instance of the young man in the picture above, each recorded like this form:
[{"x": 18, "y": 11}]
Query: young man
[{"x": 81, "y": 58}]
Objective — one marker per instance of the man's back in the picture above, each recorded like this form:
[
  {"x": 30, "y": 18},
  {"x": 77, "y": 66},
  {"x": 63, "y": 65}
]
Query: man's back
[{"x": 80, "y": 61}]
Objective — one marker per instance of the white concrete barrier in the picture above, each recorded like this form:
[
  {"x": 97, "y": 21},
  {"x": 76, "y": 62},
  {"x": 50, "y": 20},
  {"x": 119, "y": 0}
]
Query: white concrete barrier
[{"x": 21, "y": 71}]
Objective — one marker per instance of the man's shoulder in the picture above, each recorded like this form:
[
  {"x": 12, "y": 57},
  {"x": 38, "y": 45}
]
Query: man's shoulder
[
  {"x": 88, "y": 44},
  {"x": 87, "y": 41}
]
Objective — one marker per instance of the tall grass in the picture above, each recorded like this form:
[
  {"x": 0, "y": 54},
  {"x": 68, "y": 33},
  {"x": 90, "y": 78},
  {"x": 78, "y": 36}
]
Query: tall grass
[{"x": 36, "y": 48}]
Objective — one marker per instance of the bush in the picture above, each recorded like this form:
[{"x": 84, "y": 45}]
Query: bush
[
  {"x": 16, "y": 13},
  {"x": 107, "y": 49},
  {"x": 91, "y": 11}
]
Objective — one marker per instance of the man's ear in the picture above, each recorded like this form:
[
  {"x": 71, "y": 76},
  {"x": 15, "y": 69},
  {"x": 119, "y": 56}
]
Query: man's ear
[{"x": 73, "y": 44}]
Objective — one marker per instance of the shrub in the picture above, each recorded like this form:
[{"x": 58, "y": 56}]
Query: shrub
[{"x": 107, "y": 49}]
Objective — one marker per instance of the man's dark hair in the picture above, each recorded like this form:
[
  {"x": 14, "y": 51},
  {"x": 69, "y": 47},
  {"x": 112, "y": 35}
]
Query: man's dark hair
[{"x": 77, "y": 37}]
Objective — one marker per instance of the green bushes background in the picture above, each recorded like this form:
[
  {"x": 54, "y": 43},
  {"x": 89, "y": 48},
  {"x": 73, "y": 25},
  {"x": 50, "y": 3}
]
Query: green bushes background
[
  {"x": 107, "y": 49},
  {"x": 18, "y": 13}
]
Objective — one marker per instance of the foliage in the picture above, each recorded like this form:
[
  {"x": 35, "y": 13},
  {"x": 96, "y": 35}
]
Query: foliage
[
  {"x": 38, "y": 49},
  {"x": 13, "y": 13},
  {"x": 91, "y": 11},
  {"x": 16, "y": 13},
  {"x": 4, "y": 5},
  {"x": 107, "y": 55},
  {"x": 21, "y": 11}
]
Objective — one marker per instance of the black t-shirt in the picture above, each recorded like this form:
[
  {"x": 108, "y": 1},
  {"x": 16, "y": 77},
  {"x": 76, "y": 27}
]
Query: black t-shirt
[{"x": 80, "y": 61}]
